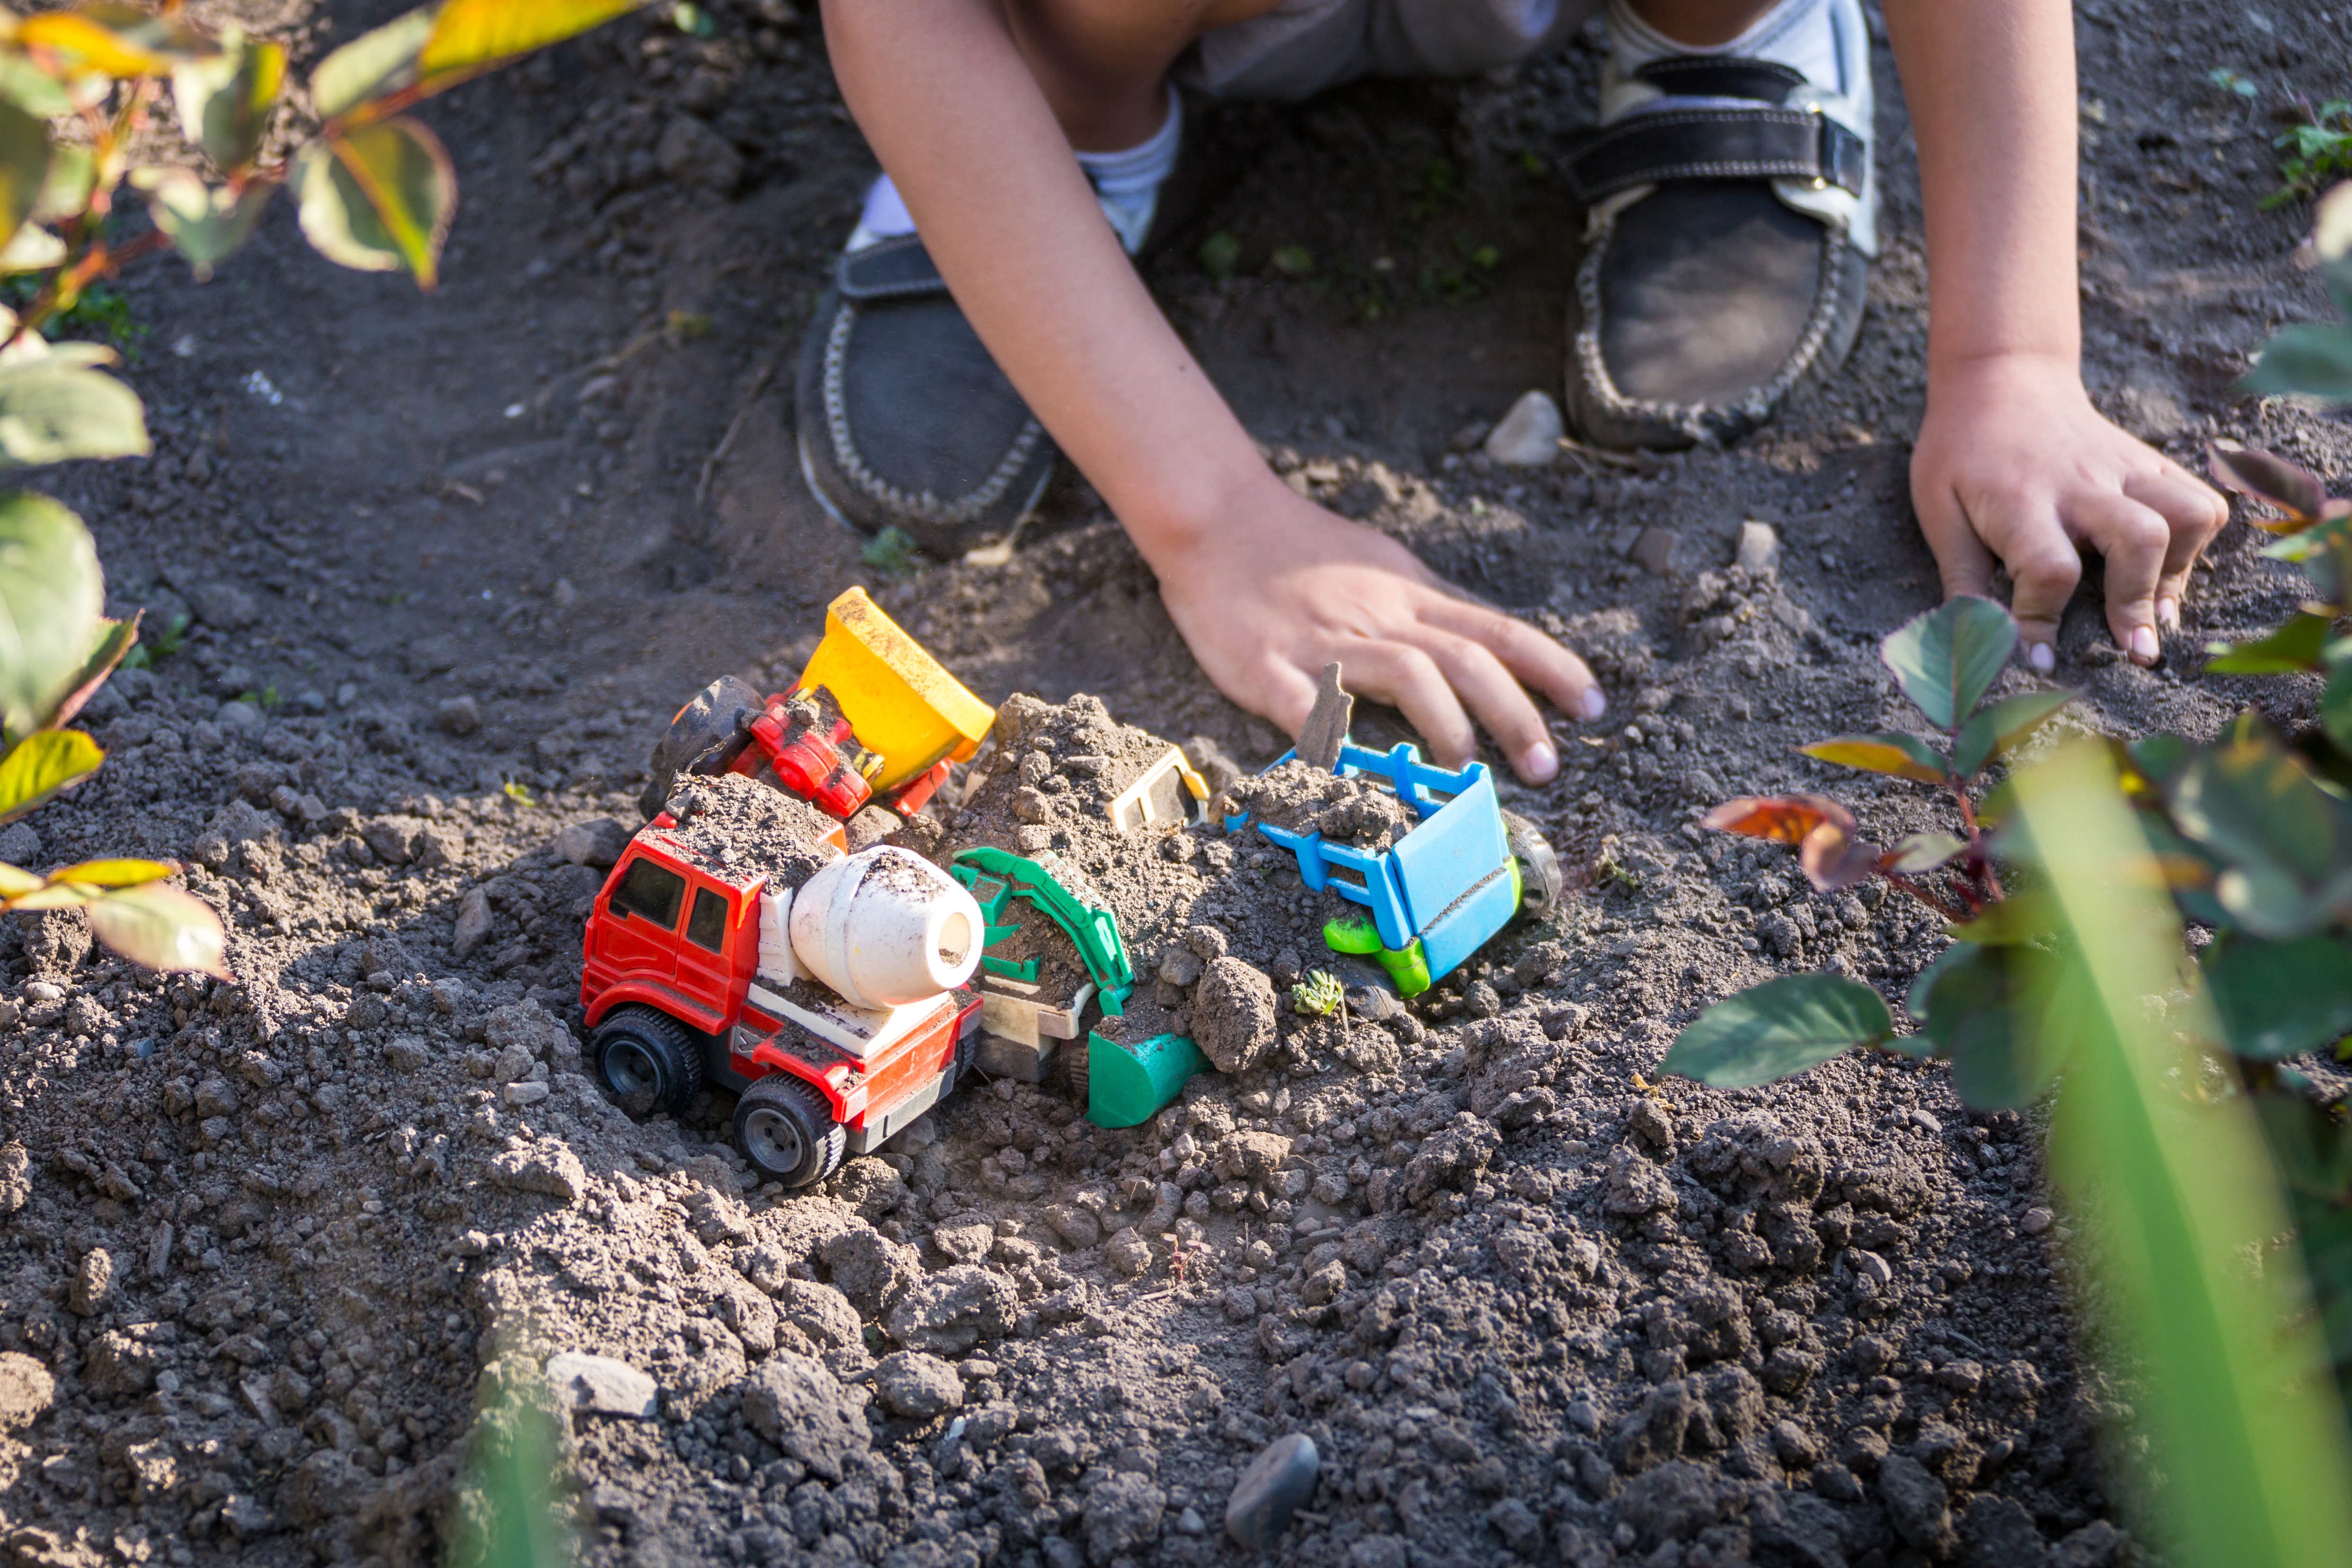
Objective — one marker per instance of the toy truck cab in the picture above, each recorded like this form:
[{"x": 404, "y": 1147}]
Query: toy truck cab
[{"x": 691, "y": 977}]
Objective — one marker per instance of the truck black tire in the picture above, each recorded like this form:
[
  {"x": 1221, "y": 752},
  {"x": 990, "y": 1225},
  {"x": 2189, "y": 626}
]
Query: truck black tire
[
  {"x": 1076, "y": 1064},
  {"x": 786, "y": 1130},
  {"x": 647, "y": 1060},
  {"x": 711, "y": 726}
]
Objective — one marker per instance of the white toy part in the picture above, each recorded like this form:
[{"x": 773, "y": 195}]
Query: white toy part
[
  {"x": 777, "y": 968},
  {"x": 885, "y": 927}
]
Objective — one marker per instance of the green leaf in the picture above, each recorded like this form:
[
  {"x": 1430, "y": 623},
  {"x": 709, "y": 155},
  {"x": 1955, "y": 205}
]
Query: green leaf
[
  {"x": 1947, "y": 659},
  {"x": 32, "y": 248},
  {"x": 2336, "y": 697},
  {"x": 1889, "y": 751},
  {"x": 1219, "y": 255},
  {"x": 42, "y": 764},
  {"x": 2284, "y": 838},
  {"x": 1990, "y": 1010},
  {"x": 2305, "y": 362},
  {"x": 1919, "y": 1000},
  {"x": 114, "y": 639},
  {"x": 1779, "y": 1028},
  {"x": 24, "y": 166},
  {"x": 380, "y": 198},
  {"x": 2020, "y": 917},
  {"x": 2313, "y": 1155},
  {"x": 158, "y": 926},
  {"x": 206, "y": 225},
  {"x": 50, "y": 592},
  {"x": 1996, "y": 730},
  {"x": 73, "y": 175},
  {"x": 470, "y": 35},
  {"x": 2177, "y": 1192},
  {"x": 54, "y": 408},
  {"x": 2294, "y": 646},
  {"x": 29, "y": 87},
  {"x": 374, "y": 63},
  {"x": 225, "y": 100},
  {"x": 1925, "y": 852},
  {"x": 2281, "y": 998}
]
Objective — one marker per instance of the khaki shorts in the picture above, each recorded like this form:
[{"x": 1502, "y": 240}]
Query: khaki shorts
[{"x": 1302, "y": 46}]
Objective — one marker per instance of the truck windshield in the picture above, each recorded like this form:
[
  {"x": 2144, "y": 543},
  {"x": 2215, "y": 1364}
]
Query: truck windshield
[{"x": 651, "y": 890}]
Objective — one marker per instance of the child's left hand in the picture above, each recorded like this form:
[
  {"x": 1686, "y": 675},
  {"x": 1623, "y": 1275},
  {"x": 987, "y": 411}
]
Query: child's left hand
[{"x": 2014, "y": 464}]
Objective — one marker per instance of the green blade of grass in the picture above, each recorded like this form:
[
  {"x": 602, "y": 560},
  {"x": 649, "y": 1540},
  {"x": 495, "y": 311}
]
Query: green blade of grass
[{"x": 2232, "y": 1385}]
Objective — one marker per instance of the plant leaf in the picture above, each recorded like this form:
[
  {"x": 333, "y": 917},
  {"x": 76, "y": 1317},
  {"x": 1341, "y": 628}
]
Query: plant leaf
[
  {"x": 160, "y": 927},
  {"x": 33, "y": 89},
  {"x": 2312, "y": 1155},
  {"x": 2285, "y": 841},
  {"x": 1785, "y": 818},
  {"x": 2294, "y": 646},
  {"x": 31, "y": 248},
  {"x": 50, "y": 592},
  {"x": 2305, "y": 362},
  {"x": 66, "y": 192},
  {"x": 2281, "y": 998},
  {"x": 225, "y": 100},
  {"x": 383, "y": 60},
  {"x": 114, "y": 640},
  {"x": 1947, "y": 659},
  {"x": 1995, "y": 731},
  {"x": 16, "y": 882},
  {"x": 52, "y": 409},
  {"x": 103, "y": 38},
  {"x": 204, "y": 224},
  {"x": 40, "y": 764},
  {"x": 474, "y": 35},
  {"x": 1923, "y": 852},
  {"x": 2019, "y": 918},
  {"x": 113, "y": 873},
  {"x": 2266, "y": 477},
  {"x": 380, "y": 198},
  {"x": 1833, "y": 859},
  {"x": 24, "y": 167},
  {"x": 1891, "y": 752},
  {"x": 1779, "y": 1028}
]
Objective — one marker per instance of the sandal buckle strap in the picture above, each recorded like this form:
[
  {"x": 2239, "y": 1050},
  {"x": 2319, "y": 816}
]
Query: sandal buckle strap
[
  {"x": 1723, "y": 142},
  {"x": 893, "y": 268}
]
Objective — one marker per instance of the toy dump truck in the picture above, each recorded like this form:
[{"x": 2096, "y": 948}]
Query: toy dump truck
[
  {"x": 735, "y": 944},
  {"x": 872, "y": 719}
]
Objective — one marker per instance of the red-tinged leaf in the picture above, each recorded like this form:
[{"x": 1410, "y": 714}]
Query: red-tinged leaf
[
  {"x": 1833, "y": 859},
  {"x": 1785, "y": 818},
  {"x": 2268, "y": 477},
  {"x": 1904, "y": 756},
  {"x": 160, "y": 927},
  {"x": 1922, "y": 852},
  {"x": 112, "y": 644}
]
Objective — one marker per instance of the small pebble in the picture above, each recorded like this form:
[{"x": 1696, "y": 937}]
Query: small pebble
[
  {"x": 2035, "y": 1222},
  {"x": 1277, "y": 1485},
  {"x": 1528, "y": 436}
]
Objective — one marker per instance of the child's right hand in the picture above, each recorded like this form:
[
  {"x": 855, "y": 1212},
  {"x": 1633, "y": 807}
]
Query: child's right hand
[{"x": 1282, "y": 587}]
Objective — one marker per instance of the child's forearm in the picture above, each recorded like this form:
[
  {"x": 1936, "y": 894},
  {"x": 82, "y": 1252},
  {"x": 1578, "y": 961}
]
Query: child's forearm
[
  {"x": 956, "y": 119},
  {"x": 1990, "y": 85}
]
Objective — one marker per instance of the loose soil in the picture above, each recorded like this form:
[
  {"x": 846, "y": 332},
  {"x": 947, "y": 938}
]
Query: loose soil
[{"x": 292, "y": 1250}]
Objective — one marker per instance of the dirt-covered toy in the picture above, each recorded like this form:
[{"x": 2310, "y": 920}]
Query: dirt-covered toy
[
  {"x": 872, "y": 719},
  {"x": 735, "y": 944}
]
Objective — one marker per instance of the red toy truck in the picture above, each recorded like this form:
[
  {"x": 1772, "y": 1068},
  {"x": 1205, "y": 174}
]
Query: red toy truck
[{"x": 735, "y": 944}]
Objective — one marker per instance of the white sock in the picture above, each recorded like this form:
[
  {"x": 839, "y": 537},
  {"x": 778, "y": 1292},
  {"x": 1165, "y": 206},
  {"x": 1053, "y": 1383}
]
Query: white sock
[
  {"x": 1798, "y": 34},
  {"x": 1126, "y": 183}
]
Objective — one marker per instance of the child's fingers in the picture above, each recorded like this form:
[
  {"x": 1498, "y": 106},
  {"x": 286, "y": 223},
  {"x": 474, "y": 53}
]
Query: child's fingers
[
  {"x": 1410, "y": 681},
  {"x": 1500, "y": 703},
  {"x": 1526, "y": 653},
  {"x": 2196, "y": 512},
  {"x": 2134, "y": 538},
  {"x": 2043, "y": 564}
]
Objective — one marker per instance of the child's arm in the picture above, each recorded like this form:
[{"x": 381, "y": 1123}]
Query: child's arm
[
  {"x": 1265, "y": 587},
  {"x": 2013, "y": 460}
]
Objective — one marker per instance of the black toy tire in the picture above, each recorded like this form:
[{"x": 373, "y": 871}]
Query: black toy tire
[
  {"x": 711, "y": 721},
  {"x": 646, "y": 1061},
  {"x": 786, "y": 1133},
  {"x": 1077, "y": 1069}
]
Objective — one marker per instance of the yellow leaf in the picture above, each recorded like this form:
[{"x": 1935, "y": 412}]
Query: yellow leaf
[
  {"x": 158, "y": 926},
  {"x": 470, "y": 33},
  {"x": 113, "y": 873},
  {"x": 1904, "y": 757},
  {"x": 16, "y": 882},
  {"x": 107, "y": 38},
  {"x": 40, "y": 764}
]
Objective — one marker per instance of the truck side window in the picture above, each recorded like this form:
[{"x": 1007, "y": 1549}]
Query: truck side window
[
  {"x": 707, "y": 927},
  {"x": 651, "y": 890}
]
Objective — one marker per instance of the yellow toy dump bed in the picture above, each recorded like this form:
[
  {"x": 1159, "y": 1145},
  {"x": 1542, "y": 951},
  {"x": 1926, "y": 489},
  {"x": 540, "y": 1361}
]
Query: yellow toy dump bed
[{"x": 899, "y": 701}]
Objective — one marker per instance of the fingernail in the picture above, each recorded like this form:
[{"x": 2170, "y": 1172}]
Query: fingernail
[
  {"x": 2042, "y": 657},
  {"x": 1593, "y": 704},
  {"x": 2168, "y": 614},
  {"x": 1540, "y": 763},
  {"x": 2143, "y": 644}
]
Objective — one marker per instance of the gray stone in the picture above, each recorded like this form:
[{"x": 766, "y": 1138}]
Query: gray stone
[
  {"x": 473, "y": 921},
  {"x": 917, "y": 1386},
  {"x": 93, "y": 1282},
  {"x": 459, "y": 715},
  {"x": 801, "y": 1407},
  {"x": 26, "y": 1390},
  {"x": 871, "y": 1269},
  {"x": 1123, "y": 1516},
  {"x": 20, "y": 844},
  {"x": 1916, "y": 1504},
  {"x": 224, "y": 605},
  {"x": 1654, "y": 551},
  {"x": 1075, "y": 1225},
  {"x": 598, "y": 843},
  {"x": 1673, "y": 1502},
  {"x": 1277, "y": 1484},
  {"x": 1378, "y": 1551},
  {"x": 1517, "y": 1524},
  {"x": 600, "y": 1385},
  {"x": 549, "y": 1169},
  {"x": 692, "y": 153},
  {"x": 1759, "y": 548},
  {"x": 1999, "y": 1532},
  {"x": 1234, "y": 1015},
  {"x": 1528, "y": 436},
  {"x": 238, "y": 716}
]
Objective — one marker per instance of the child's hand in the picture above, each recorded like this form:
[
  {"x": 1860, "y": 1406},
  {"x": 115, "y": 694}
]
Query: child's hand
[
  {"x": 2014, "y": 462},
  {"x": 1284, "y": 588}
]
